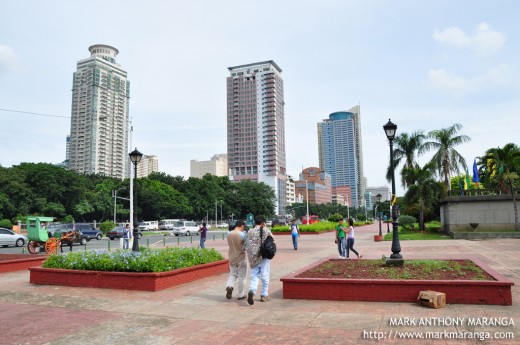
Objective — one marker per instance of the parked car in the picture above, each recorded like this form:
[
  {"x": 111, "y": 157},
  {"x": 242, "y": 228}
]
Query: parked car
[
  {"x": 82, "y": 240},
  {"x": 168, "y": 224},
  {"x": 87, "y": 230},
  {"x": 149, "y": 225},
  {"x": 223, "y": 225},
  {"x": 186, "y": 228},
  {"x": 11, "y": 238},
  {"x": 117, "y": 232}
]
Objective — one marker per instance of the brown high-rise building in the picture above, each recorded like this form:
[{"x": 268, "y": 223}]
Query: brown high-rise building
[{"x": 256, "y": 127}]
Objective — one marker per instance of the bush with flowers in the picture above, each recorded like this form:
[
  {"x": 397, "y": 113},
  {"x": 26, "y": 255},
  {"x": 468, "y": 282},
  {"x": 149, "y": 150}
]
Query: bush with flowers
[{"x": 146, "y": 260}]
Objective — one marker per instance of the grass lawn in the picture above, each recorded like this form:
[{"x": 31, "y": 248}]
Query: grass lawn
[{"x": 416, "y": 235}]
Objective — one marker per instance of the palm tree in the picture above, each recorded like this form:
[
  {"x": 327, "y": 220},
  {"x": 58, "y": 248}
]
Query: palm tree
[
  {"x": 407, "y": 147},
  {"x": 504, "y": 165},
  {"x": 446, "y": 157},
  {"x": 423, "y": 190}
]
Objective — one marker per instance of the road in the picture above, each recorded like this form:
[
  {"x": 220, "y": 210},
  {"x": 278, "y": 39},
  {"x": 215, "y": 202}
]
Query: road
[{"x": 146, "y": 240}]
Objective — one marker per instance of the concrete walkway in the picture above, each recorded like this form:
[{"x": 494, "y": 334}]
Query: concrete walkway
[{"x": 199, "y": 313}]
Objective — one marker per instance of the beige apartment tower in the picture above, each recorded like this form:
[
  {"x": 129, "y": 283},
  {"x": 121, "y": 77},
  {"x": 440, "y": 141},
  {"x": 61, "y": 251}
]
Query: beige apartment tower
[{"x": 99, "y": 115}]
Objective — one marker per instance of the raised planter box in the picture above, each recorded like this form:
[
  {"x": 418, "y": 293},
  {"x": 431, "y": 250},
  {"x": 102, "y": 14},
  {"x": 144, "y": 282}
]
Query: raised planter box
[
  {"x": 148, "y": 281},
  {"x": 20, "y": 262},
  {"x": 384, "y": 290}
]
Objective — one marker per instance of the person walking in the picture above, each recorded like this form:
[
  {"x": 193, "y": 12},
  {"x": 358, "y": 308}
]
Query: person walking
[
  {"x": 260, "y": 267},
  {"x": 127, "y": 235},
  {"x": 237, "y": 260},
  {"x": 350, "y": 239},
  {"x": 340, "y": 239},
  {"x": 203, "y": 230},
  {"x": 295, "y": 233}
]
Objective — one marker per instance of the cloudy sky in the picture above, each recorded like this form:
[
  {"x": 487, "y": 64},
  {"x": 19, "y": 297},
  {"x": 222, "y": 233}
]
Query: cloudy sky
[{"x": 424, "y": 64}]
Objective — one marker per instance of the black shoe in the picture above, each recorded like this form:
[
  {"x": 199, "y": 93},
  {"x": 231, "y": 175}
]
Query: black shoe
[
  {"x": 250, "y": 299},
  {"x": 229, "y": 291}
]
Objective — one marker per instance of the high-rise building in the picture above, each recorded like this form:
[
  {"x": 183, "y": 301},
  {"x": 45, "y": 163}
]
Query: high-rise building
[
  {"x": 341, "y": 154},
  {"x": 147, "y": 165},
  {"x": 217, "y": 166},
  {"x": 99, "y": 116},
  {"x": 256, "y": 127}
]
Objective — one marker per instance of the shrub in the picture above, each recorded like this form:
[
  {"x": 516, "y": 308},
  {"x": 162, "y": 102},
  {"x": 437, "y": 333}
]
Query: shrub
[
  {"x": 336, "y": 217},
  {"x": 407, "y": 222},
  {"x": 147, "y": 260},
  {"x": 6, "y": 223},
  {"x": 106, "y": 226}
]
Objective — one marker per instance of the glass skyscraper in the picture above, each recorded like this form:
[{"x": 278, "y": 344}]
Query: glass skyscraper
[{"x": 341, "y": 155}]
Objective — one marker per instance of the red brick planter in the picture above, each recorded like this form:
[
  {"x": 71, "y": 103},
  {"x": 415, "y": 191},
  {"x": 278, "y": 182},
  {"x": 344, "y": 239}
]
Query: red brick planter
[
  {"x": 383, "y": 290},
  {"x": 19, "y": 264},
  {"x": 148, "y": 281}
]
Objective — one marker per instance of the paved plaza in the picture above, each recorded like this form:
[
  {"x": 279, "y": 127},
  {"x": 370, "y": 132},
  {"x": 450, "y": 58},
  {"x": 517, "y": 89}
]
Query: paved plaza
[{"x": 199, "y": 313}]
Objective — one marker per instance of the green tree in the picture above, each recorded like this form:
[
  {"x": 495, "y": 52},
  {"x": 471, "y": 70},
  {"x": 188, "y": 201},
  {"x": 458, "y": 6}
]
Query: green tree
[
  {"x": 446, "y": 158},
  {"x": 407, "y": 148},
  {"x": 503, "y": 166},
  {"x": 158, "y": 200},
  {"x": 424, "y": 190}
]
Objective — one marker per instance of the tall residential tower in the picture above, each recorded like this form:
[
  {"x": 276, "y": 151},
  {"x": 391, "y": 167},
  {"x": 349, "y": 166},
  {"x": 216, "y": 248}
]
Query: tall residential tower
[
  {"x": 341, "y": 154},
  {"x": 256, "y": 127},
  {"x": 99, "y": 116}
]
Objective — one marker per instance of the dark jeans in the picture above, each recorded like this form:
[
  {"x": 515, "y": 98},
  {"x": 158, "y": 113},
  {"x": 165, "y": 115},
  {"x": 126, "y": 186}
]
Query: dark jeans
[{"x": 350, "y": 246}]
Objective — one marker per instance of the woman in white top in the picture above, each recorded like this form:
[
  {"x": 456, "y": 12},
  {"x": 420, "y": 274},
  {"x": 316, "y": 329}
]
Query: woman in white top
[{"x": 350, "y": 239}]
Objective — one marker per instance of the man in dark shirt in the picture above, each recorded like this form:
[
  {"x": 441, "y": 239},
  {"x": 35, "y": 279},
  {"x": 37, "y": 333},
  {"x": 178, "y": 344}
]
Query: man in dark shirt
[{"x": 203, "y": 231}]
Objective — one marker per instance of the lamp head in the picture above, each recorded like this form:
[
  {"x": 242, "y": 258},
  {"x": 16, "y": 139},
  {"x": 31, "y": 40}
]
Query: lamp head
[
  {"x": 390, "y": 129},
  {"x": 135, "y": 156}
]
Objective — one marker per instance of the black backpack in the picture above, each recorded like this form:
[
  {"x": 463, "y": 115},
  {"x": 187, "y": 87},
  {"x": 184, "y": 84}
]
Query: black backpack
[{"x": 268, "y": 247}]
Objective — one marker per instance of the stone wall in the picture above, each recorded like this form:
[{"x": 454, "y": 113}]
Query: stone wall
[{"x": 479, "y": 216}]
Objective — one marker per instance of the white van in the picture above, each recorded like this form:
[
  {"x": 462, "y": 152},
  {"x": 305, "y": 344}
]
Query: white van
[
  {"x": 151, "y": 225},
  {"x": 167, "y": 224},
  {"x": 186, "y": 228}
]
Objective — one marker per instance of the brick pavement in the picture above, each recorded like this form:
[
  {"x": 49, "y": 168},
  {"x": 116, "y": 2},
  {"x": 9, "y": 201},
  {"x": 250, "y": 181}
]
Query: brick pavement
[{"x": 199, "y": 313}]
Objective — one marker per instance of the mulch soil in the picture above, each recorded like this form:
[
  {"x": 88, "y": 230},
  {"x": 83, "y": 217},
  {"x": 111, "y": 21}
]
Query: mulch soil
[
  {"x": 376, "y": 269},
  {"x": 7, "y": 257}
]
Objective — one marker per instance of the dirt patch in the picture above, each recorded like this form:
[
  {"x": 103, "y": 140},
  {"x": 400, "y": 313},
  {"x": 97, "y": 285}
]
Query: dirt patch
[
  {"x": 8, "y": 257},
  {"x": 412, "y": 270}
]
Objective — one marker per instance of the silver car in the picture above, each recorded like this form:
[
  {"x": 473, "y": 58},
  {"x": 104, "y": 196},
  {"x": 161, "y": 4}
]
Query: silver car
[{"x": 11, "y": 238}]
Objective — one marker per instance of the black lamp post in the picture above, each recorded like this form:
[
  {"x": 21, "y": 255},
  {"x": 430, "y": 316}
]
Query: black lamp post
[
  {"x": 378, "y": 196},
  {"x": 396, "y": 259},
  {"x": 135, "y": 157}
]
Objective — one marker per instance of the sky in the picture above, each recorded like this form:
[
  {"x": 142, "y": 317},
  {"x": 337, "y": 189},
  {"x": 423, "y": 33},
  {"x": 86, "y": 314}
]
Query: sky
[{"x": 425, "y": 65}]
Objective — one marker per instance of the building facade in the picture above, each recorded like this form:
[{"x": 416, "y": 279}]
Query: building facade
[
  {"x": 315, "y": 183},
  {"x": 341, "y": 154},
  {"x": 147, "y": 165},
  {"x": 256, "y": 127},
  {"x": 290, "y": 191},
  {"x": 99, "y": 115},
  {"x": 217, "y": 165}
]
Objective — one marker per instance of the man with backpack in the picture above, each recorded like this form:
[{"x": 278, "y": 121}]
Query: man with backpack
[
  {"x": 295, "y": 233},
  {"x": 260, "y": 264}
]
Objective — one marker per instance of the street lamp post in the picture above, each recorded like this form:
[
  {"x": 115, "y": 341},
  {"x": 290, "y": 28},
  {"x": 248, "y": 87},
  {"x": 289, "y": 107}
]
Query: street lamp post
[
  {"x": 396, "y": 259},
  {"x": 378, "y": 196},
  {"x": 135, "y": 157}
]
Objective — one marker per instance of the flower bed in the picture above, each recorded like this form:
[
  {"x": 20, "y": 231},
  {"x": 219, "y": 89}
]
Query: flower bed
[
  {"x": 144, "y": 281},
  {"x": 497, "y": 291},
  {"x": 18, "y": 262},
  {"x": 148, "y": 270}
]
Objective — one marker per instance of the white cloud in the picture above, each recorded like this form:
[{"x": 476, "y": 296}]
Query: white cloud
[
  {"x": 8, "y": 60},
  {"x": 498, "y": 76},
  {"x": 484, "y": 41}
]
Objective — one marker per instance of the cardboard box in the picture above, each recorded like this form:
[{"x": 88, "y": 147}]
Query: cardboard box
[{"x": 432, "y": 299}]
